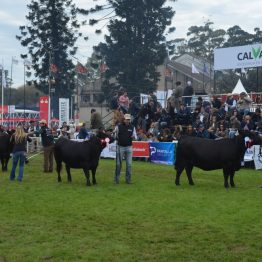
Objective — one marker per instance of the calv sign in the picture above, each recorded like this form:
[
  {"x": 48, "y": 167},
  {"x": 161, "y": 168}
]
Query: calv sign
[{"x": 238, "y": 57}]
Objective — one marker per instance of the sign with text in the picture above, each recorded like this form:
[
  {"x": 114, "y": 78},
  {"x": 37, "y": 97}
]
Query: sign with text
[
  {"x": 162, "y": 153},
  {"x": 238, "y": 57},
  {"x": 63, "y": 110},
  {"x": 43, "y": 107},
  {"x": 140, "y": 149}
]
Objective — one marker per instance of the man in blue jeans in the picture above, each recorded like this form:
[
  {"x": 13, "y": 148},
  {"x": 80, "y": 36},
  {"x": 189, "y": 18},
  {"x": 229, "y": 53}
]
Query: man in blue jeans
[{"x": 124, "y": 134}]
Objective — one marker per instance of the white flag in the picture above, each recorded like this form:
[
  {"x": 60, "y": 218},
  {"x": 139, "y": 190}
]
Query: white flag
[{"x": 194, "y": 70}]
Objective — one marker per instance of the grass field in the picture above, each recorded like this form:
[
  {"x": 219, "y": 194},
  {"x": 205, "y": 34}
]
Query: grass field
[{"x": 150, "y": 220}]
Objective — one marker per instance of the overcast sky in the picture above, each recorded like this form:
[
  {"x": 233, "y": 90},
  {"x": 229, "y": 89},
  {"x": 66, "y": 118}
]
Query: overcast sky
[{"x": 224, "y": 14}]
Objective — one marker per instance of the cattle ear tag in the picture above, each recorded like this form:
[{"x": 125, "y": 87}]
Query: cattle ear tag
[{"x": 107, "y": 140}]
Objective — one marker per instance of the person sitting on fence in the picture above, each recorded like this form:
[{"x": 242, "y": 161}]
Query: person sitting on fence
[{"x": 243, "y": 104}]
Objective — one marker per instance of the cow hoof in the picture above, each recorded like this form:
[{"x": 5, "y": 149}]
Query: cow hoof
[
  {"x": 88, "y": 184},
  {"x": 191, "y": 183},
  {"x": 178, "y": 184}
]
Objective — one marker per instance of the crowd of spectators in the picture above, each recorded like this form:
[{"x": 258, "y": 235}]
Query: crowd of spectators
[{"x": 212, "y": 119}]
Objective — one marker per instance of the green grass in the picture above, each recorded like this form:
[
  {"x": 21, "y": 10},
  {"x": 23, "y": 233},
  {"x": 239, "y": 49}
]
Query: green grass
[{"x": 151, "y": 220}]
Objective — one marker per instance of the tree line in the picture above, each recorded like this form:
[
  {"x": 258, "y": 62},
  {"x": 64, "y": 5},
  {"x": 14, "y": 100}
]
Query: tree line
[{"x": 137, "y": 42}]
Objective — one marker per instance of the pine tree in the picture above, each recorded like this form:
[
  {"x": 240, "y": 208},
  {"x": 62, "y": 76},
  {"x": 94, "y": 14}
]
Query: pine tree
[
  {"x": 50, "y": 38},
  {"x": 136, "y": 44}
]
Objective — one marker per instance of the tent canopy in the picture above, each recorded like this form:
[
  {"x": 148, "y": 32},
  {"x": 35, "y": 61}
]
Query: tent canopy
[{"x": 239, "y": 88}]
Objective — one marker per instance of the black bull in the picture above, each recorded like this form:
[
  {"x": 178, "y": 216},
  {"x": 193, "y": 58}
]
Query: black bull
[
  {"x": 5, "y": 149},
  {"x": 209, "y": 154},
  {"x": 83, "y": 155}
]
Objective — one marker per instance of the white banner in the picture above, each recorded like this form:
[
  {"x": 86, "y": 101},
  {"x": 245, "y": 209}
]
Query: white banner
[
  {"x": 63, "y": 110},
  {"x": 238, "y": 57},
  {"x": 11, "y": 109},
  {"x": 258, "y": 156}
]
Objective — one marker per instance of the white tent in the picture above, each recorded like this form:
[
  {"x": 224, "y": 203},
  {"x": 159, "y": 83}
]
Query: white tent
[{"x": 239, "y": 88}]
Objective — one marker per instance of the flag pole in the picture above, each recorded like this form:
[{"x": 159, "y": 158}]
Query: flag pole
[
  {"x": 9, "y": 97},
  {"x": 2, "y": 84},
  {"x": 24, "y": 92}
]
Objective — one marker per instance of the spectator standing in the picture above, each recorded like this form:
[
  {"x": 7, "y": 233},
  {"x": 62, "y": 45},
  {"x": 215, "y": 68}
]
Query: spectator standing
[
  {"x": 124, "y": 134},
  {"x": 178, "y": 93},
  {"x": 19, "y": 139},
  {"x": 96, "y": 120},
  {"x": 48, "y": 146},
  {"x": 188, "y": 92}
]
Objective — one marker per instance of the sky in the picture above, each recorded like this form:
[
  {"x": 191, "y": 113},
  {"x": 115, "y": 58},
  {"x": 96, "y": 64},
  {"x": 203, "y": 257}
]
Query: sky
[{"x": 224, "y": 14}]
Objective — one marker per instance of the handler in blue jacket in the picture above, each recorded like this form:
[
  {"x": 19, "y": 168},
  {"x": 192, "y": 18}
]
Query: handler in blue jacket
[{"x": 124, "y": 134}]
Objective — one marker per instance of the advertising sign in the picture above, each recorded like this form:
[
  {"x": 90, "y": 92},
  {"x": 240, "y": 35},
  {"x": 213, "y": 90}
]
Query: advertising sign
[
  {"x": 63, "y": 110},
  {"x": 43, "y": 107},
  {"x": 162, "y": 153},
  {"x": 238, "y": 57},
  {"x": 140, "y": 149}
]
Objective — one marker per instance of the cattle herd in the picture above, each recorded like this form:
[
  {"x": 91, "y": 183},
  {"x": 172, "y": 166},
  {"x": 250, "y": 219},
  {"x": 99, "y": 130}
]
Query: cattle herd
[{"x": 206, "y": 154}]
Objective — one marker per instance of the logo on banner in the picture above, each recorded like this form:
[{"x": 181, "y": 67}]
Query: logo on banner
[
  {"x": 162, "y": 153},
  {"x": 140, "y": 149}
]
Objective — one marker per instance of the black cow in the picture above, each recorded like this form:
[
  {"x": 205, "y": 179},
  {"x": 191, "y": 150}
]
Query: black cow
[
  {"x": 209, "y": 154},
  {"x": 83, "y": 155},
  {"x": 5, "y": 149}
]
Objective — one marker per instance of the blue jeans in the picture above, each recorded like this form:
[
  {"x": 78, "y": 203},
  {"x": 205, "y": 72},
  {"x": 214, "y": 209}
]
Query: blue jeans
[
  {"x": 123, "y": 151},
  {"x": 16, "y": 157}
]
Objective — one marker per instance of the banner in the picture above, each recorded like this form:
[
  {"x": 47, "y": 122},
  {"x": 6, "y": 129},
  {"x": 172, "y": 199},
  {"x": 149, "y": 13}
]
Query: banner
[
  {"x": 140, "y": 149},
  {"x": 109, "y": 151},
  {"x": 4, "y": 108},
  {"x": 11, "y": 109},
  {"x": 162, "y": 153},
  {"x": 43, "y": 107},
  {"x": 63, "y": 110},
  {"x": 258, "y": 156},
  {"x": 238, "y": 57}
]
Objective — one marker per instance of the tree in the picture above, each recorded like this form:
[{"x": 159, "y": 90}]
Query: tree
[
  {"x": 204, "y": 39},
  {"x": 136, "y": 44},
  {"x": 50, "y": 39}
]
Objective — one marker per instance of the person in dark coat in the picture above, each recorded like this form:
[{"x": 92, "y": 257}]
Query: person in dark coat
[
  {"x": 48, "y": 146},
  {"x": 188, "y": 92}
]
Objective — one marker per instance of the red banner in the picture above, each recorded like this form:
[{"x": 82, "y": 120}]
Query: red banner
[
  {"x": 5, "y": 109},
  {"x": 140, "y": 149},
  {"x": 43, "y": 107}
]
